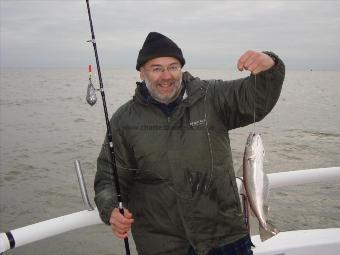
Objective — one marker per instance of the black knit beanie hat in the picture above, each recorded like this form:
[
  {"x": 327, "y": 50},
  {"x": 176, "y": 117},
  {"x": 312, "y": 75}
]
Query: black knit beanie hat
[{"x": 157, "y": 45}]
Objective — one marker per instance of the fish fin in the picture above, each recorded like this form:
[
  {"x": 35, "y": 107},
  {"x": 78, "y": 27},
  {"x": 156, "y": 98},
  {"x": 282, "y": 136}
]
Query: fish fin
[{"x": 268, "y": 232}]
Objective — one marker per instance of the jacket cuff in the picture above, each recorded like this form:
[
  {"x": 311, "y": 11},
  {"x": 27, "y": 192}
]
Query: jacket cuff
[
  {"x": 105, "y": 209},
  {"x": 272, "y": 55},
  {"x": 105, "y": 214},
  {"x": 278, "y": 66}
]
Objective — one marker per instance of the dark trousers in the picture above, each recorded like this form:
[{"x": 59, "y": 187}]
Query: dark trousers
[{"x": 240, "y": 247}]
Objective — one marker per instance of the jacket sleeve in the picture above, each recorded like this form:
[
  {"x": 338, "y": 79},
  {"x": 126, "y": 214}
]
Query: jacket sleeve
[
  {"x": 105, "y": 190},
  {"x": 234, "y": 100}
]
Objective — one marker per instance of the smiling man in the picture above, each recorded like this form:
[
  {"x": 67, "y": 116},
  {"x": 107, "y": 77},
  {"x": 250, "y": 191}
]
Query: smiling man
[
  {"x": 173, "y": 153},
  {"x": 163, "y": 83}
]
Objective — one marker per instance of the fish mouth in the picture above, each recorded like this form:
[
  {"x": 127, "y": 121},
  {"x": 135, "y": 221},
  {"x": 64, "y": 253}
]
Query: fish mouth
[
  {"x": 250, "y": 138},
  {"x": 252, "y": 135}
]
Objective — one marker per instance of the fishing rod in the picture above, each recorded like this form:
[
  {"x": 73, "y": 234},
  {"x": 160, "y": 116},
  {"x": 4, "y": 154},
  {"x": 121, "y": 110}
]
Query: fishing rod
[{"x": 115, "y": 181}]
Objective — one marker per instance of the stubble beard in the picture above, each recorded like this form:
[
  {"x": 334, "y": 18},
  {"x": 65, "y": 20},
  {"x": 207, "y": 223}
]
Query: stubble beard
[{"x": 167, "y": 98}]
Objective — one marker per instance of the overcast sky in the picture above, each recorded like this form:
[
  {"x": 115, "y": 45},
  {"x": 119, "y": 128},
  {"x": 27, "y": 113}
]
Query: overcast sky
[{"x": 212, "y": 34}]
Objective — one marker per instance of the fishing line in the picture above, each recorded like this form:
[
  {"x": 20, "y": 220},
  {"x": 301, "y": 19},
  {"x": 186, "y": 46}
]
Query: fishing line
[
  {"x": 209, "y": 140},
  {"x": 254, "y": 125}
]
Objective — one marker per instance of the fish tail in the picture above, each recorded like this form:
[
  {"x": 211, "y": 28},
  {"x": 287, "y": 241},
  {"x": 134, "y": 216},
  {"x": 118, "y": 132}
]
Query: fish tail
[{"x": 267, "y": 232}]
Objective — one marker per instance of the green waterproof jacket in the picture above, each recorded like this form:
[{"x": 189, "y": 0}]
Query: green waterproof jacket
[{"x": 176, "y": 174}]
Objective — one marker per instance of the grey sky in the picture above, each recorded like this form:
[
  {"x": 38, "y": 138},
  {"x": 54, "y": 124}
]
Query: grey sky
[{"x": 212, "y": 34}]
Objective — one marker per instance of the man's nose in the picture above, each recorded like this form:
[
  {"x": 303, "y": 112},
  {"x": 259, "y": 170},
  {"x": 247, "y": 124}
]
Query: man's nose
[{"x": 166, "y": 74}]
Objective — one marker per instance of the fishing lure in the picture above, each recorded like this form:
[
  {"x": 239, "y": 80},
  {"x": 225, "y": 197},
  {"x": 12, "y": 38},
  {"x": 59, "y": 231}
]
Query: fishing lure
[{"x": 91, "y": 96}]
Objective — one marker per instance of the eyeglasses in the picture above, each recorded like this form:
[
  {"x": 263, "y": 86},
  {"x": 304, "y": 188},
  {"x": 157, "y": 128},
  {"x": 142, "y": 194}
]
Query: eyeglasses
[{"x": 160, "y": 69}]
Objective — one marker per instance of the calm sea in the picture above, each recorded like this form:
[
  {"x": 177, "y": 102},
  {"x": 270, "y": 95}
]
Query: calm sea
[{"x": 46, "y": 125}]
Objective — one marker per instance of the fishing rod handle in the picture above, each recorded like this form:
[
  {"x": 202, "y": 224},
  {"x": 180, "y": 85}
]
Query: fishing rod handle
[
  {"x": 126, "y": 240},
  {"x": 127, "y": 246}
]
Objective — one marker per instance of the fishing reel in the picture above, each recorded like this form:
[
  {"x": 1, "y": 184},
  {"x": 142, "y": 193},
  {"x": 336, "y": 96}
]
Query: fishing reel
[{"x": 91, "y": 96}]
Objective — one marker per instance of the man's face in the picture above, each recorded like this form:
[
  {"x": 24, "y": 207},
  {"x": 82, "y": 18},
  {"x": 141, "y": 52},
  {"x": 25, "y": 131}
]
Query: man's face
[{"x": 163, "y": 77}]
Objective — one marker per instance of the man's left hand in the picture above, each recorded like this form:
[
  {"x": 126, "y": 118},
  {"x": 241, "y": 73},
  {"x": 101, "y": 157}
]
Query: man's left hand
[{"x": 255, "y": 62}]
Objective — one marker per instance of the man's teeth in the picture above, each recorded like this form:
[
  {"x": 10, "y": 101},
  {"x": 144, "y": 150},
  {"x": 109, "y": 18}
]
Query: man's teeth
[{"x": 165, "y": 84}]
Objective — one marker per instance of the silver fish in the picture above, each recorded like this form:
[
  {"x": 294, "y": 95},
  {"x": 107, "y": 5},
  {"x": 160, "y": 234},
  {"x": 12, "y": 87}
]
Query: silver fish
[{"x": 256, "y": 184}]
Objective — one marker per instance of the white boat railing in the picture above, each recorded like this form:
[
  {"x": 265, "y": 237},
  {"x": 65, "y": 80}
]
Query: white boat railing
[
  {"x": 48, "y": 228},
  {"x": 297, "y": 177},
  {"x": 41, "y": 230}
]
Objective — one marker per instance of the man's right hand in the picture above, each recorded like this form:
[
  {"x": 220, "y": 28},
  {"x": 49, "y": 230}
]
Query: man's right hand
[{"x": 121, "y": 224}]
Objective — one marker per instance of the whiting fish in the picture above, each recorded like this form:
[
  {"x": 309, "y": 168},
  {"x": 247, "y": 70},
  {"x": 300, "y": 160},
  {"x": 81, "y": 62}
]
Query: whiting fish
[{"x": 256, "y": 184}]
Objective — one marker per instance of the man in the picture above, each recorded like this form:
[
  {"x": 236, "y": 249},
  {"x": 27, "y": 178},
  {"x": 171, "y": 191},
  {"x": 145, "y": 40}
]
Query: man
[{"x": 173, "y": 154}]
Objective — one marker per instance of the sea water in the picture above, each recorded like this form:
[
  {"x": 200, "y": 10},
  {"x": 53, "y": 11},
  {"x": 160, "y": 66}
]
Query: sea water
[{"x": 46, "y": 124}]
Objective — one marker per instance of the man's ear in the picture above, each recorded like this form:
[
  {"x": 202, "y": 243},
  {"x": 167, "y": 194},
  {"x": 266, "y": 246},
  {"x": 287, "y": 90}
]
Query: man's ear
[{"x": 141, "y": 75}]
